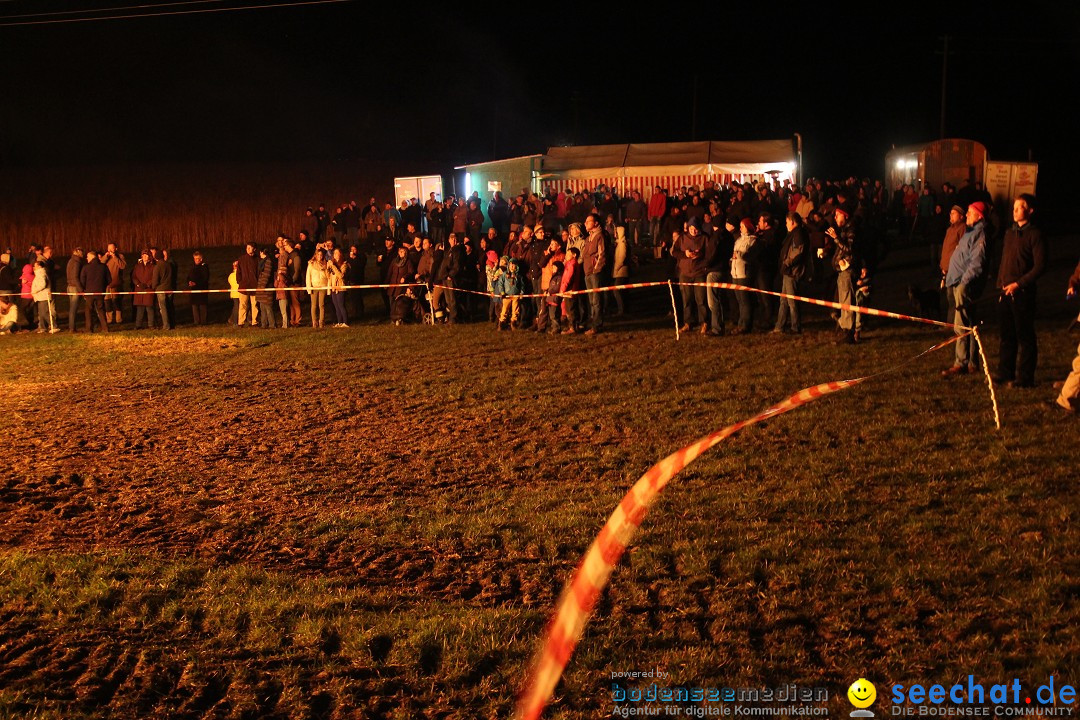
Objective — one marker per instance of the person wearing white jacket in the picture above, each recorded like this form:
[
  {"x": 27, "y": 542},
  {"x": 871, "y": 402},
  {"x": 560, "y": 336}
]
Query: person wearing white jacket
[
  {"x": 742, "y": 271},
  {"x": 318, "y": 283},
  {"x": 43, "y": 297}
]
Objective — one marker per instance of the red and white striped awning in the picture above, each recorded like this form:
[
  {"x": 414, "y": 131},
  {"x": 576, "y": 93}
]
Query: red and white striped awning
[{"x": 644, "y": 184}]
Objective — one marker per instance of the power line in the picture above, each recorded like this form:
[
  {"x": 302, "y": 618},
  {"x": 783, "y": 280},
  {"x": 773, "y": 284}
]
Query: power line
[
  {"x": 108, "y": 9},
  {"x": 174, "y": 12}
]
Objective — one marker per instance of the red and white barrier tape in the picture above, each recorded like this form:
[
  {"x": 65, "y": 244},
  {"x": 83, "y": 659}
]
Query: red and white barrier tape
[
  {"x": 591, "y": 576},
  {"x": 737, "y": 288},
  {"x": 243, "y": 291},
  {"x": 829, "y": 304},
  {"x": 569, "y": 293}
]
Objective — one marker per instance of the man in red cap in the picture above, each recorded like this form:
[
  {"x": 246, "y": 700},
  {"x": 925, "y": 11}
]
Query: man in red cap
[
  {"x": 1023, "y": 259},
  {"x": 964, "y": 281}
]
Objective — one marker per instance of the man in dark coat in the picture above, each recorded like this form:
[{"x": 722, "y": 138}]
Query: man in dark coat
[
  {"x": 1023, "y": 260},
  {"x": 719, "y": 246},
  {"x": 355, "y": 275},
  {"x": 162, "y": 278},
  {"x": 117, "y": 263},
  {"x": 142, "y": 281},
  {"x": 93, "y": 280},
  {"x": 845, "y": 260},
  {"x": 310, "y": 224},
  {"x": 474, "y": 220},
  {"x": 295, "y": 274},
  {"x": 264, "y": 293},
  {"x": 794, "y": 256},
  {"x": 450, "y": 271},
  {"x": 198, "y": 279},
  {"x": 74, "y": 285},
  {"x": 499, "y": 214},
  {"x": 692, "y": 260},
  {"x": 768, "y": 266}
]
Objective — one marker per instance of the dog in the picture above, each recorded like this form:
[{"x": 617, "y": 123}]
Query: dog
[{"x": 925, "y": 303}]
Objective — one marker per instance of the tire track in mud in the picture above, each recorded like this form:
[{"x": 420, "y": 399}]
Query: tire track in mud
[
  {"x": 130, "y": 675},
  {"x": 270, "y": 469},
  {"x": 238, "y": 471}
]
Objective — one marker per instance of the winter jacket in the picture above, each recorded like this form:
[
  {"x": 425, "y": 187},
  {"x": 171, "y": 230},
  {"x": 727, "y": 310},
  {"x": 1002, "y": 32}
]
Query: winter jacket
[
  {"x": 162, "y": 276},
  {"x": 142, "y": 279},
  {"x": 1023, "y": 256},
  {"x": 116, "y": 264},
  {"x": 247, "y": 273},
  {"x": 572, "y": 278},
  {"x": 94, "y": 277},
  {"x": 948, "y": 245},
  {"x": 657, "y": 206},
  {"x": 336, "y": 275},
  {"x": 553, "y": 287},
  {"x": 844, "y": 252},
  {"x": 794, "y": 253},
  {"x": 27, "y": 279},
  {"x": 39, "y": 286},
  {"x": 74, "y": 267},
  {"x": 317, "y": 277},
  {"x": 692, "y": 267},
  {"x": 743, "y": 257},
  {"x": 593, "y": 257},
  {"x": 265, "y": 282},
  {"x": 511, "y": 282},
  {"x": 968, "y": 261},
  {"x": 453, "y": 263},
  {"x": 199, "y": 279}
]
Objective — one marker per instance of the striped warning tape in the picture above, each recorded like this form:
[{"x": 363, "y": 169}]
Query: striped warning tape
[
  {"x": 569, "y": 293},
  {"x": 591, "y": 576},
  {"x": 738, "y": 288},
  {"x": 829, "y": 304},
  {"x": 246, "y": 291}
]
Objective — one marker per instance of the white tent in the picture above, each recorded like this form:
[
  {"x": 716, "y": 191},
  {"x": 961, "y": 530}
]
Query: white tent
[{"x": 644, "y": 165}]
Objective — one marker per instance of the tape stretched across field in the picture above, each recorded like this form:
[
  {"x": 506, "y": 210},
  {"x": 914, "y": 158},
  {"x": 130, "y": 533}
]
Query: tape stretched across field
[
  {"x": 571, "y": 293},
  {"x": 591, "y": 576}
]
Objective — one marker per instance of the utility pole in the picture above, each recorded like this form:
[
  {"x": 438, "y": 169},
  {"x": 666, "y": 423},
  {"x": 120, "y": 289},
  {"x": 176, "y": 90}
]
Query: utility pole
[
  {"x": 693, "y": 112},
  {"x": 944, "y": 77},
  {"x": 577, "y": 96}
]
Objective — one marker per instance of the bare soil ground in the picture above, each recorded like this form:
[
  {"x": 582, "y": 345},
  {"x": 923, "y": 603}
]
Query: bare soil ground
[{"x": 376, "y": 522}]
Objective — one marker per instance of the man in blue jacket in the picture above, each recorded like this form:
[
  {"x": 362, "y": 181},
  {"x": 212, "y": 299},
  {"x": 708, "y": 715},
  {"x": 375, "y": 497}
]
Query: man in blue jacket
[{"x": 964, "y": 282}]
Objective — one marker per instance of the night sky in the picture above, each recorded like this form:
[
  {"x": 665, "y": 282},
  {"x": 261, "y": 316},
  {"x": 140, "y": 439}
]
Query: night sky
[{"x": 463, "y": 83}]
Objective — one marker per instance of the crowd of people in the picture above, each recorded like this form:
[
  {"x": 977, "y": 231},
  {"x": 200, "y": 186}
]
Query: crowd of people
[{"x": 522, "y": 263}]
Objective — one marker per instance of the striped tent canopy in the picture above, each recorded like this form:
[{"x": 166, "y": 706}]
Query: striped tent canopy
[{"x": 642, "y": 166}]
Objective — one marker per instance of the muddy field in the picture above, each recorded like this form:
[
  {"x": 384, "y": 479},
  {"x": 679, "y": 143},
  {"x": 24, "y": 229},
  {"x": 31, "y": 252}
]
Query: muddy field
[{"x": 376, "y": 522}]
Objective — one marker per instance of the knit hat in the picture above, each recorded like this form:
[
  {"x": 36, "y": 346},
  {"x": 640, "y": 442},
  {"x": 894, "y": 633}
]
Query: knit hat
[
  {"x": 695, "y": 222},
  {"x": 841, "y": 209},
  {"x": 979, "y": 207},
  {"x": 958, "y": 209},
  {"x": 492, "y": 257}
]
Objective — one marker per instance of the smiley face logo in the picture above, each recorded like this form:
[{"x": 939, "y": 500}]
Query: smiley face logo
[{"x": 862, "y": 693}]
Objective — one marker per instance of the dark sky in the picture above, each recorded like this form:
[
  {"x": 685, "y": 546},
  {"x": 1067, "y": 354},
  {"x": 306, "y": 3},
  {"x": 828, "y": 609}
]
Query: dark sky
[{"x": 462, "y": 82}]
